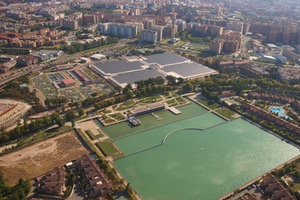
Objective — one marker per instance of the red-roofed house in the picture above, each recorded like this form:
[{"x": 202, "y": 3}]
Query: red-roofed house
[{"x": 69, "y": 82}]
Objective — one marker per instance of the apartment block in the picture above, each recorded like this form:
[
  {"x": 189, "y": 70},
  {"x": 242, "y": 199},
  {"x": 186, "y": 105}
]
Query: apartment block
[
  {"x": 70, "y": 24},
  {"x": 118, "y": 29},
  {"x": 149, "y": 35}
]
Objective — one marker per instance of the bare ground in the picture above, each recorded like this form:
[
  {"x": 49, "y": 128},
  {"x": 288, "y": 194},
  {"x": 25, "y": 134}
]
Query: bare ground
[
  {"x": 90, "y": 125},
  {"x": 37, "y": 159}
]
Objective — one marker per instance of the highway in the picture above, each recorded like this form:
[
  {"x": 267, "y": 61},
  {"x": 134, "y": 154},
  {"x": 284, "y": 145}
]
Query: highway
[{"x": 12, "y": 75}]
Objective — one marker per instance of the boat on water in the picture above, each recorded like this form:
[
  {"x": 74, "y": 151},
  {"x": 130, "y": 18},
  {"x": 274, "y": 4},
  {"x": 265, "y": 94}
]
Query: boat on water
[{"x": 134, "y": 121}]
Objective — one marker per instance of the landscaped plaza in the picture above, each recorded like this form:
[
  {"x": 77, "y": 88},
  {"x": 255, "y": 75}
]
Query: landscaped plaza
[
  {"x": 194, "y": 155},
  {"x": 50, "y": 84}
]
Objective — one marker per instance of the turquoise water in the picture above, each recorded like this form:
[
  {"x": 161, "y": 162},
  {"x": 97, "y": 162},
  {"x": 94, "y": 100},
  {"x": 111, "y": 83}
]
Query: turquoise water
[
  {"x": 279, "y": 111},
  {"x": 156, "y": 135},
  {"x": 202, "y": 157},
  {"x": 199, "y": 164}
]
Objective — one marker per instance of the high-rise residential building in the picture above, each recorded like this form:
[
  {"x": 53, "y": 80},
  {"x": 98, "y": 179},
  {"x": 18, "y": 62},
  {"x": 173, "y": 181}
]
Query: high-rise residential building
[
  {"x": 149, "y": 35},
  {"x": 181, "y": 25},
  {"x": 216, "y": 46},
  {"x": 229, "y": 35},
  {"x": 246, "y": 28},
  {"x": 207, "y": 30},
  {"x": 230, "y": 42},
  {"x": 159, "y": 30},
  {"x": 118, "y": 29},
  {"x": 235, "y": 26},
  {"x": 149, "y": 23},
  {"x": 168, "y": 30},
  {"x": 70, "y": 24},
  {"x": 231, "y": 46},
  {"x": 89, "y": 19}
]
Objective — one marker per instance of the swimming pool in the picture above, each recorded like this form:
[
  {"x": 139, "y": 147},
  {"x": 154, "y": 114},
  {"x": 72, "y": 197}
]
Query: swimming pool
[{"x": 279, "y": 111}]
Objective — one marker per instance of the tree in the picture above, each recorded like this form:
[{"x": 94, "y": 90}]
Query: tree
[
  {"x": 80, "y": 112},
  {"x": 129, "y": 95},
  {"x": 127, "y": 88},
  {"x": 73, "y": 122},
  {"x": 171, "y": 80},
  {"x": 180, "y": 80},
  {"x": 70, "y": 115},
  {"x": 188, "y": 87},
  {"x": 57, "y": 119}
]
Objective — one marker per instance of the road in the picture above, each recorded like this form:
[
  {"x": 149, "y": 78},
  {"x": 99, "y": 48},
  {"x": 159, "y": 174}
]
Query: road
[
  {"x": 9, "y": 76},
  {"x": 17, "y": 73}
]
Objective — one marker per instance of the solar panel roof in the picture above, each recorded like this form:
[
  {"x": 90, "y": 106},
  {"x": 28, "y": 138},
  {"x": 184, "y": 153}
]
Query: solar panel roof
[
  {"x": 165, "y": 59},
  {"x": 119, "y": 66},
  {"x": 188, "y": 69},
  {"x": 132, "y": 77}
]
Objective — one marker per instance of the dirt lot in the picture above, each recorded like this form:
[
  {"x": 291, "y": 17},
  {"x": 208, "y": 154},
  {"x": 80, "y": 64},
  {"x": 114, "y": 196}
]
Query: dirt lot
[
  {"x": 35, "y": 160},
  {"x": 90, "y": 125}
]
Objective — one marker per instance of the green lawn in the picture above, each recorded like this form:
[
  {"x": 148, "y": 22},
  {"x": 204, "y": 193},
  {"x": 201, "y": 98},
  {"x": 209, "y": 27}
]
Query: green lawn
[
  {"x": 126, "y": 105},
  {"x": 108, "y": 121},
  {"x": 180, "y": 100},
  {"x": 92, "y": 136},
  {"x": 117, "y": 116},
  {"x": 226, "y": 113},
  {"x": 107, "y": 148},
  {"x": 170, "y": 101},
  {"x": 296, "y": 186},
  {"x": 106, "y": 111},
  {"x": 211, "y": 104},
  {"x": 169, "y": 95},
  {"x": 150, "y": 100}
]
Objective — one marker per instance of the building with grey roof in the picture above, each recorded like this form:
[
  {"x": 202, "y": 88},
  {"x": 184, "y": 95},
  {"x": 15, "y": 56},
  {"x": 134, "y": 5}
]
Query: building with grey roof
[{"x": 121, "y": 72}]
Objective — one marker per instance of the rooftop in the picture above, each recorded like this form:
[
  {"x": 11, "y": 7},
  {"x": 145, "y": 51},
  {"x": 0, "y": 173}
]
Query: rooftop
[
  {"x": 188, "y": 70},
  {"x": 134, "y": 69},
  {"x": 119, "y": 66},
  {"x": 68, "y": 81},
  {"x": 165, "y": 59}
]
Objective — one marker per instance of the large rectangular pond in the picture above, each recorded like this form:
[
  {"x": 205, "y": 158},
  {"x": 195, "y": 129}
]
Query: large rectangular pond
[{"x": 196, "y": 155}]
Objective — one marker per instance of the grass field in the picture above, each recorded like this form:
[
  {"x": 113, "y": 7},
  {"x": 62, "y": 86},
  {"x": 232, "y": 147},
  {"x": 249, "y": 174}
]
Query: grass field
[
  {"x": 39, "y": 158},
  {"x": 126, "y": 105},
  {"x": 211, "y": 104},
  {"x": 148, "y": 100},
  {"x": 197, "y": 46},
  {"x": 117, "y": 116},
  {"x": 226, "y": 113},
  {"x": 107, "y": 148},
  {"x": 92, "y": 136}
]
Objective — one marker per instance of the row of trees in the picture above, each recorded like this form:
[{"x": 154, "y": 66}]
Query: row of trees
[
  {"x": 92, "y": 100},
  {"x": 77, "y": 47},
  {"x": 14, "y": 91},
  {"x": 55, "y": 101},
  {"x": 33, "y": 126},
  {"x": 213, "y": 86},
  {"x": 147, "y": 52},
  {"x": 171, "y": 80},
  {"x": 17, "y": 192},
  {"x": 150, "y": 81}
]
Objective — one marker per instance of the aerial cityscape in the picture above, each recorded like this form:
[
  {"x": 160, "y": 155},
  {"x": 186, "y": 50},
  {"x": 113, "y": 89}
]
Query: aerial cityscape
[{"x": 150, "y": 99}]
